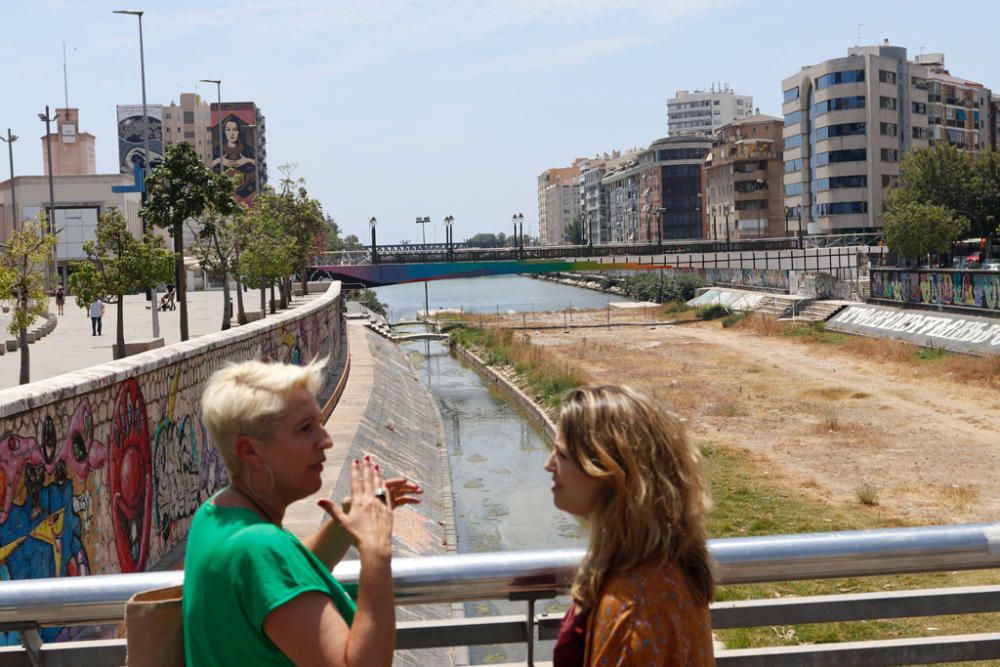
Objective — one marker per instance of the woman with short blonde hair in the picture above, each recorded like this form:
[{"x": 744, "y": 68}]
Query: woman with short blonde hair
[
  {"x": 642, "y": 592},
  {"x": 254, "y": 594}
]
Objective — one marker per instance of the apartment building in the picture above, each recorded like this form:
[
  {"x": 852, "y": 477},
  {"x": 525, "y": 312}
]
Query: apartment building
[
  {"x": 594, "y": 198},
  {"x": 705, "y": 111},
  {"x": 745, "y": 180},
  {"x": 657, "y": 193},
  {"x": 847, "y": 123},
  {"x": 558, "y": 202},
  {"x": 958, "y": 110},
  {"x": 189, "y": 120}
]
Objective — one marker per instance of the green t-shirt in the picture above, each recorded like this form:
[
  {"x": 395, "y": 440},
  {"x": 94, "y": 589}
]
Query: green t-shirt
[{"x": 238, "y": 568}]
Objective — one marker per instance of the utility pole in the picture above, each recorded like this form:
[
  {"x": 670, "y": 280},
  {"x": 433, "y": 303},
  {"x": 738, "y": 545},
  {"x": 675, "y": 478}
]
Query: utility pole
[
  {"x": 10, "y": 139},
  {"x": 50, "y": 225}
]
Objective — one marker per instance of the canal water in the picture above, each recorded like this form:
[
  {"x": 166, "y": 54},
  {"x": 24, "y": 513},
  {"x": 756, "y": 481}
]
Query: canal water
[{"x": 502, "y": 496}]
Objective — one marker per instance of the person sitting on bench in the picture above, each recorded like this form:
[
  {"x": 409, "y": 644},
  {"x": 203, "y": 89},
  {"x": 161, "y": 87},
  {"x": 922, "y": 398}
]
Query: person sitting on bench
[{"x": 167, "y": 300}]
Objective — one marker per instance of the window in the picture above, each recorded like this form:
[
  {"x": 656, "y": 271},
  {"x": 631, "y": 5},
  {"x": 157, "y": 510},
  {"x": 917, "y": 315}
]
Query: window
[
  {"x": 793, "y": 166},
  {"x": 887, "y": 103},
  {"x": 919, "y": 107},
  {"x": 839, "y": 208},
  {"x": 793, "y": 189},
  {"x": 838, "y": 182},
  {"x": 918, "y": 83},
  {"x": 792, "y": 94},
  {"x": 836, "y": 104},
  {"x": 716, "y": 102},
  {"x": 188, "y": 116},
  {"x": 849, "y": 155},
  {"x": 885, "y": 76},
  {"x": 890, "y": 155},
  {"x": 841, "y": 130},
  {"x": 793, "y": 118},
  {"x": 793, "y": 141},
  {"x": 681, "y": 154},
  {"x": 888, "y": 129},
  {"x": 889, "y": 180},
  {"x": 835, "y": 78},
  {"x": 189, "y": 135},
  {"x": 920, "y": 133}
]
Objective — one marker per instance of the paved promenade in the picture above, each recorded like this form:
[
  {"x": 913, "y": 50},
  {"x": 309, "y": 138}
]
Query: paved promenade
[{"x": 70, "y": 346}]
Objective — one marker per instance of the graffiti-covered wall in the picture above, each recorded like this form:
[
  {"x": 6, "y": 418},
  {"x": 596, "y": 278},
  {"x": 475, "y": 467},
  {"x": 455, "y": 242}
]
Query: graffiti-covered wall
[
  {"x": 968, "y": 289},
  {"x": 775, "y": 279},
  {"x": 101, "y": 470}
]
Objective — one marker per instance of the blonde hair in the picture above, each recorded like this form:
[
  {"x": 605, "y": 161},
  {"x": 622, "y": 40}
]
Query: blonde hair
[
  {"x": 246, "y": 398},
  {"x": 655, "y": 497}
]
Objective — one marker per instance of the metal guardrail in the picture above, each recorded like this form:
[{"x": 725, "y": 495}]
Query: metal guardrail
[{"x": 27, "y": 605}]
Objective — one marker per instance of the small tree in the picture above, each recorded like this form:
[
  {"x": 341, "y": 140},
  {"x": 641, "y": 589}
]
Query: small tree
[
  {"x": 302, "y": 218},
  {"x": 183, "y": 188},
  {"x": 216, "y": 246},
  {"x": 118, "y": 264},
  {"x": 914, "y": 229},
  {"x": 264, "y": 251},
  {"x": 21, "y": 283},
  {"x": 574, "y": 230}
]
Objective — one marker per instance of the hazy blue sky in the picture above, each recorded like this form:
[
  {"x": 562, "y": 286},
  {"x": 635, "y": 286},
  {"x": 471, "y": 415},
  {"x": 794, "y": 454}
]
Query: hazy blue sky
[{"x": 405, "y": 108}]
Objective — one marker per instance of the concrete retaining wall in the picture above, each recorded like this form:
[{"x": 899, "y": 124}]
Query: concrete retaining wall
[
  {"x": 102, "y": 469},
  {"x": 522, "y": 401}
]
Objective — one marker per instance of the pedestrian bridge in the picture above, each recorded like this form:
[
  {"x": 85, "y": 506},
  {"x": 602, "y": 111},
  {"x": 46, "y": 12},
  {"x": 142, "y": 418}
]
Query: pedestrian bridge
[
  {"x": 529, "y": 576},
  {"x": 390, "y": 265}
]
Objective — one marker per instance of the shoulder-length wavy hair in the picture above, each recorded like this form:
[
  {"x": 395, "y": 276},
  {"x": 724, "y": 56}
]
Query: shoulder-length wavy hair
[{"x": 655, "y": 497}]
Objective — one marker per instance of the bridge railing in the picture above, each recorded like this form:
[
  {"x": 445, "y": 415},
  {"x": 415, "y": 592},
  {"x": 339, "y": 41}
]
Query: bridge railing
[
  {"x": 460, "y": 252},
  {"x": 26, "y": 606}
]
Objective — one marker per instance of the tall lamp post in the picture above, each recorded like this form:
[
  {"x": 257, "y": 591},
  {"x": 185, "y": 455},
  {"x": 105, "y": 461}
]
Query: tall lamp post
[
  {"x": 44, "y": 117},
  {"x": 153, "y": 301},
  {"x": 448, "y": 222},
  {"x": 422, "y": 221},
  {"x": 218, "y": 98},
  {"x": 371, "y": 223},
  {"x": 10, "y": 139},
  {"x": 518, "y": 219}
]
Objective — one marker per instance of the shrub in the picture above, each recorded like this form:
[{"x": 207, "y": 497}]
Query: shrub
[
  {"x": 733, "y": 319},
  {"x": 713, "y": 312}
]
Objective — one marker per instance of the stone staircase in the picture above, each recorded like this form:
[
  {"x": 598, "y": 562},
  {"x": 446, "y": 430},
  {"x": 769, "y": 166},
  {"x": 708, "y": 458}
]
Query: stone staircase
[
  {"x": 772, "y": 306},
  {"x": 817, "y": 311}
]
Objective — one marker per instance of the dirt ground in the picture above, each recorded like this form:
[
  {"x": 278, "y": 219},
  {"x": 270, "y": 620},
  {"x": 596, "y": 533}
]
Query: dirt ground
[{"x": 832, "y": 422}]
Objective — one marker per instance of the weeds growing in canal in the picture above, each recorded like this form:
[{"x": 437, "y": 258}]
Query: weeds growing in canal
[{"x": 546, "y": 378}]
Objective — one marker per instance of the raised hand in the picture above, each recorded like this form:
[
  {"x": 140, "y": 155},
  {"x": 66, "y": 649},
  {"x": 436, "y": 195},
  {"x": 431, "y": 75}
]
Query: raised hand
[{"x": 369, "y": 522}]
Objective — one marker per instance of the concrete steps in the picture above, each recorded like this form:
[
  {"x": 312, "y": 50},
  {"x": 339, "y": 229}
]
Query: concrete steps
[{"x": 817, "y": 311}]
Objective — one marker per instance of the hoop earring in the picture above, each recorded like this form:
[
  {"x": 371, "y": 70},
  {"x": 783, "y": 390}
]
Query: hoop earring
[{"x": 258, "y": 496}]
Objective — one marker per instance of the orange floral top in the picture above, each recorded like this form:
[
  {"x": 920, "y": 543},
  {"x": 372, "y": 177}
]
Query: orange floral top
[{"x": 647, "y": 616}]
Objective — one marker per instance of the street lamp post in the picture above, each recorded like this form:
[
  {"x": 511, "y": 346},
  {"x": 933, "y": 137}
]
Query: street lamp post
[
  {"x": 44, "y": 117},
  {"x": 448, "y": 222},
  {"x": 422, "y": 221},
  {"x": 371, "y": 223},
  {"x": 518, "y": 245},
  {"x": 153, "y": 301},
  {"x": 725, "y": 211},
  {"x": 10, "y": 139}
]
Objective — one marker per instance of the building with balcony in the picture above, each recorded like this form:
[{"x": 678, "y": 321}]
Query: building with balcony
[
  {"x": 958, "y": 110},
  {"x": 745, "y": 180},
  {"x": 558, "y": 202},
  {"x": 658, "y": 193},
  {"x": 847, "y": 123},
  {"x": 703, "y": 112}
]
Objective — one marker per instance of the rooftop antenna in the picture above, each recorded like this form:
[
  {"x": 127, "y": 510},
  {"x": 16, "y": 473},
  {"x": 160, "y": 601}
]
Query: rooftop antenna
[
  {"x": 65, "y": 79},
  {"x": 859, "y": 34}
]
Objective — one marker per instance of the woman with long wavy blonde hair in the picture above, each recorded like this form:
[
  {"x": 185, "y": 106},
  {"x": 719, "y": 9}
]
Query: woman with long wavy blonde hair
[{"x": 642, "y": 592}]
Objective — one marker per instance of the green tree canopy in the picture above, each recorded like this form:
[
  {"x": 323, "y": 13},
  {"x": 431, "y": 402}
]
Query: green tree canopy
[
  {"x": 915, "y": 229},
  {"x": 22, "y": 284},
  {"x": 574, "y": 233},
  {"x": 182, "y": 188},
  {"x": 118, "y": 264}
]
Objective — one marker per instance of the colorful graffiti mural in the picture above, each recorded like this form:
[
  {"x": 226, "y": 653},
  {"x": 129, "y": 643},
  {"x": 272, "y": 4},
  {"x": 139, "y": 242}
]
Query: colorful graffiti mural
[
  {"x": 108, "y": 480},
  {"x": 239, "y": 145},
  {"x": 968, "y": 289}
]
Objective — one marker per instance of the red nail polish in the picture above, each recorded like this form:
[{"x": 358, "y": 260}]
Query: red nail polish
[
  {"x": 367, "y": 457},
  {"x": 376, "y": 466}
]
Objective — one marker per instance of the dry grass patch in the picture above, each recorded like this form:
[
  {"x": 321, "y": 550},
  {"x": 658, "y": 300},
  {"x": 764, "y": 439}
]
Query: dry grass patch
[
  {"x": 762, "y": 325},
  {"x": 966, "y": 368},
  {"x": 727, "y": 409},
  {"x": 867, "y": 494},
  {"x": 830, "y": 393}
]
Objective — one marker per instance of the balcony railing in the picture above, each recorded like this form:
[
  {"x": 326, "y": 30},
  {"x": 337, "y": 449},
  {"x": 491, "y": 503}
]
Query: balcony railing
[{"x": 28, "y": 605}]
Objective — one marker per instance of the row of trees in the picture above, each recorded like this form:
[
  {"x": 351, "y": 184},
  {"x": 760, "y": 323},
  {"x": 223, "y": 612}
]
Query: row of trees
[
  {"x": 943, "y": 195},
  {"x": 260, "y": 246}
]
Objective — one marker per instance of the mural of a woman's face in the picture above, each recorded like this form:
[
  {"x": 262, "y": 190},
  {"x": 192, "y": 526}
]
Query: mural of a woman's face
[{"x": 232, "y": 131}]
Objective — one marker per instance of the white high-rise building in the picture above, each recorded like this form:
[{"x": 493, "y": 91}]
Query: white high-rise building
[{"x": 705, "y": 111}]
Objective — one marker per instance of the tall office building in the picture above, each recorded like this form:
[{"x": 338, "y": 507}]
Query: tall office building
[
  {"x": 847, "y": 123},
  {"x": 558, "y": 202},
  {"x": 705, "y": 111}
]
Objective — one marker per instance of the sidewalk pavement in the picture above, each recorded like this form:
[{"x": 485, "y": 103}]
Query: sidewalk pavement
[{"x": 70, "y": 346}]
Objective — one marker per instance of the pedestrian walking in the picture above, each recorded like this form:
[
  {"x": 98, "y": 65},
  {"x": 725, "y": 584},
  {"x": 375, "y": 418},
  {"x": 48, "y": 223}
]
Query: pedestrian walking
[
  {"x": 96, "y": 313},
  {"x": 60, "y": 299}
]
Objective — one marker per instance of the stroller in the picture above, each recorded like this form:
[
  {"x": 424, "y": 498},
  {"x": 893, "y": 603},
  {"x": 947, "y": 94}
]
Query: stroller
[{"x": 167, "y": 301}]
